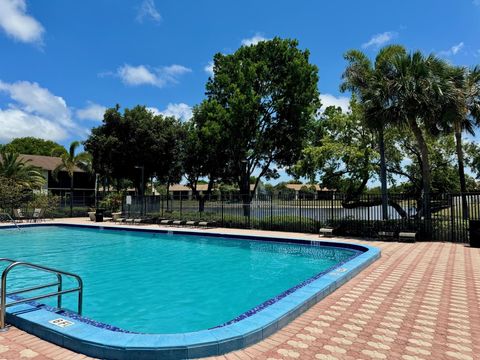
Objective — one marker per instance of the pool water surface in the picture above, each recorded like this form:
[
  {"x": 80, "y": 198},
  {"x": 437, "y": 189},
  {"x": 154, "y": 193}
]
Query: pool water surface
[{"x": 166, "y": 283}]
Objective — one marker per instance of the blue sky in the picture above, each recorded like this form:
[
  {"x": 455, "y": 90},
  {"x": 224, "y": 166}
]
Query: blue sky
[{"x": 62, "y": 62}]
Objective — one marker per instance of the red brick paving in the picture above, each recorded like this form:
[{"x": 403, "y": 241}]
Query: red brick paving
[{"x": 419, "y": 301}]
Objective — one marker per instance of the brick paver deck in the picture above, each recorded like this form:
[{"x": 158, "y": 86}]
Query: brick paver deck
[{"x": 419, "y": 301}]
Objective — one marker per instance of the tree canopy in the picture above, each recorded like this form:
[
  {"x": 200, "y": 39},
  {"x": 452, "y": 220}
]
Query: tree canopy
[
  {"x": 32, "y": 146},
  {"x": 269, "y": 97},
  {"x": 137, "y": 138},
  {"x": 205, "y": 145}
]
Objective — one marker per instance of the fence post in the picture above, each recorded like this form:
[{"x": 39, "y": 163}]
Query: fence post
[
  {"x": 452, "y": 218},
  {"x": 300, "y": 211},
  {"x": 331, "y": 207},
  {"x": 161, "y": 200},
  {"x": 221, "y": 202},
  {"x": 271, "y": 211},
  {"x": 369, "y": 224}
]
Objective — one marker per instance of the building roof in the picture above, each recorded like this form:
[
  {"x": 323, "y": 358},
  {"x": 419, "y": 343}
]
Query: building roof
[
  {"x": 45, "y": 162},
  {"x": 298, "y": 187},
  {"x": 200, "y": 187},
  {"x": 178, "y": 187}
]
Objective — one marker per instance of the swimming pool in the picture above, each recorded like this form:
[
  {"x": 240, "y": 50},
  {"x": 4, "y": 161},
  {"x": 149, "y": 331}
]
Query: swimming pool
[{"x": 145, "y": 282}]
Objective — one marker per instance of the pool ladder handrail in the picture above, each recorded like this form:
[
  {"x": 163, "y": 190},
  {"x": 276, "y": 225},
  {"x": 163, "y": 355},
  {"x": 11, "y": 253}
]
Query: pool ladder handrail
[
  {"x": 60, "y": 291},
  {"x": 11, "y": 219}
]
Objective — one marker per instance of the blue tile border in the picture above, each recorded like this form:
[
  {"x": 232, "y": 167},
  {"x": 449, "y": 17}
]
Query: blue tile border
[{"x": 103, "y": 341}]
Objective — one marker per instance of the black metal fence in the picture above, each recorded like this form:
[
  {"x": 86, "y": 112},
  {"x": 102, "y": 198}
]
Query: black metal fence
[{"x": 309, "y": 212}]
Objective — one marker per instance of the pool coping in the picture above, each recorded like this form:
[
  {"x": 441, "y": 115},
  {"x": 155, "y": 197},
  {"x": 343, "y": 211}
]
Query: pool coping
[{"x": 107, "y": 344}]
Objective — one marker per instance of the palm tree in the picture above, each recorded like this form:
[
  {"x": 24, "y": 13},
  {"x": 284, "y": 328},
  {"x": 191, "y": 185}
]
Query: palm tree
[
  {"x": 367, "y": 81},
  {"x": 418, "y": 88},
  {"x": 466, "y": 115},
  {"x": 19, "y": 171},
  {"x": 70, "y": 163}
]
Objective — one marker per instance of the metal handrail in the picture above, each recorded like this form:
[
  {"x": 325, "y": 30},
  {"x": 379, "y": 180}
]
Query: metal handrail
[
  {"x": 11, "y": 219},
  {"x": 58, "y": 293}
]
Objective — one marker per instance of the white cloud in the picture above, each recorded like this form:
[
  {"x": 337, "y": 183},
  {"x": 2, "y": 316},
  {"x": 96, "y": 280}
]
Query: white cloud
[
  {"x": 454, "y": 50},
  {"x": 154, "y": 110},
  {"x": 170, "y": 73},
  {"x": 331, "y": 100},
  {"x": 17, "y": 123},
  {"x": 34, "y": 111},
  {"x": 380, "y": 39},
  {"x": 32, "y": 98},
  {"x": 254, "y": 40},
  {"x": 136, "y": 75},
  {"x": 143, "y": 75},
  {"x": 91, "y": 112},
  {"x": 180, "y": 111},
  {"x": 149, "y": 11},
  {"x": 209, "y": 68},
  {"x": 457, "y": 48},
  {"x": 476, "y": 2},
  {"x": 18, "y": 24}
]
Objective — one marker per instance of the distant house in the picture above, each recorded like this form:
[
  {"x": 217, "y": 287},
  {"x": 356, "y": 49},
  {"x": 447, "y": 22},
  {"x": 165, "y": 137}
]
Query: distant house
[
  {"x": 84, "y": 183},
  {"x": 316, "y": 192},
  {"x": 186, "y": 192}
]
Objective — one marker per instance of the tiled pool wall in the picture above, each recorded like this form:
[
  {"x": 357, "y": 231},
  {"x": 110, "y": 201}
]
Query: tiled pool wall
[{"x": 104, "y": 341}]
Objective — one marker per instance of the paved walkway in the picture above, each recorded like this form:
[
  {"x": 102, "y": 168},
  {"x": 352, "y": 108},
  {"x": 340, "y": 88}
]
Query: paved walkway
[{"x": 419, "y": 301}]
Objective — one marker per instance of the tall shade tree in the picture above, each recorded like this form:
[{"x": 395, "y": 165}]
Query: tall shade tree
[
  {"x": 205, "y": 148},
  {"x": 19, "y": 171},
  {"x": 70, "y": 163},
  {"x": 466, "y": 116},
  {"x": 418, "y": 88},
  {"x": 443, "y": 163},
  {"x": 365, "y": 79},
  {"x": 269, "y": 95},
  {"x": 137, "y": 138},
  {"x": 345, "y": 156}
]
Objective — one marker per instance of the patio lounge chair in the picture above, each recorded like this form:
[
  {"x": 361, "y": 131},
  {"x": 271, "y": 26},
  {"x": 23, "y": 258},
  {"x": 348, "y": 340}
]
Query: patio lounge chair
[
  {"x": 166, "y": 222},
  {"x": 137, "y": 221},
  {"x": 179, "y": 222},
  {"x": 116, "y": 216},
  {"x": 38, "y": 215},
  {"x": 206, "y": 223},
  {"x": 18, "y": 215}
]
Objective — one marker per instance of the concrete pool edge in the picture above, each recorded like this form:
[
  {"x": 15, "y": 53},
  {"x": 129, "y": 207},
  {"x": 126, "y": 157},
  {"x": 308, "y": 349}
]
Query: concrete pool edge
[{"x": 102, "y": 343}]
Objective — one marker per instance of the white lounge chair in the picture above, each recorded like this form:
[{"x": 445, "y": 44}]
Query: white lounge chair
[
  {"x": 38, "y": 215},
  {"x": 18, "y": 215}
]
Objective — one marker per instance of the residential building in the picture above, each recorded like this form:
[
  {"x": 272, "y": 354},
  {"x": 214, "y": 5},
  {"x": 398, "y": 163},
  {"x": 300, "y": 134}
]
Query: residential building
[{"x": 83, "y": 182}]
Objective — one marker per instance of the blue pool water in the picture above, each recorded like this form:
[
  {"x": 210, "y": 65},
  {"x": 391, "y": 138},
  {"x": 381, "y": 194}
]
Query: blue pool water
[{"x": 163, "y": 283}]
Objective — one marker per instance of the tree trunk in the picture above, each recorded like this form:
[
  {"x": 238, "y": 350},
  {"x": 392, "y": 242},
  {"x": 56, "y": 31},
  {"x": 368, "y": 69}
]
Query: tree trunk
[
  {"x": 426, "y": 172},
  {"x": 204, "y": 197},
  {"x": 201, "y": 203},
  {"x": 461, "y": 171},
  {"x": 383, "y": 174},
  {"x": 71, "y": 195}
]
